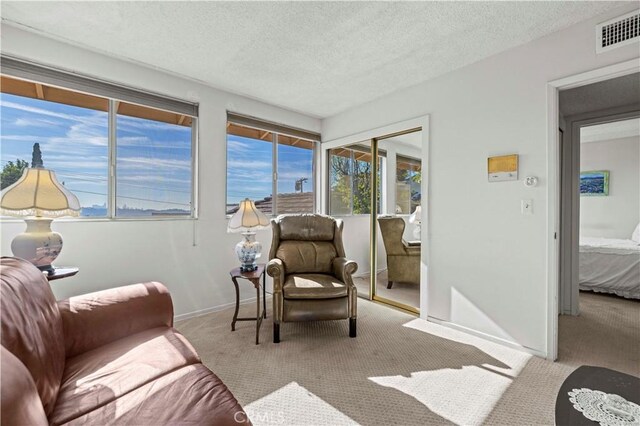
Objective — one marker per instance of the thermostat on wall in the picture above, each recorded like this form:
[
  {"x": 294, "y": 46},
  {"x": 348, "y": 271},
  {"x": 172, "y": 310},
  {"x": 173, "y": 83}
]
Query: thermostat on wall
[{"x": 503, "y": 168}]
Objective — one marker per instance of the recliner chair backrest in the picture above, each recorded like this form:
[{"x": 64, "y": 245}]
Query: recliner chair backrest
[
  {"x": 306, "y": 243},
  {"x": 392, "y": 229}
]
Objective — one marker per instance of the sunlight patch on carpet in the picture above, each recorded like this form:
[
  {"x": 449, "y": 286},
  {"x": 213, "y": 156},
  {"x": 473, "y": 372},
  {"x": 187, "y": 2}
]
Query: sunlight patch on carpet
[
  {"x": 466, "y": 395},
  {"x": 511, "y": 361},
  {"x": 294, "y": 405}
]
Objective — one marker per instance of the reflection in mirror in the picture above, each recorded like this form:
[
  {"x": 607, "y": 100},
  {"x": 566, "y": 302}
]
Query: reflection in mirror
[
  {"x": 349, "y": 174},
  {"x": 399, "y": 224}
]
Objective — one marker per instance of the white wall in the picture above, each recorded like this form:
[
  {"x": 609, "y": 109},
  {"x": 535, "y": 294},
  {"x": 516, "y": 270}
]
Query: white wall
[
  {"x": 111, "y": 253},
  {"x": 488, "y": 263},
  {"x": 616, "y": 215}
]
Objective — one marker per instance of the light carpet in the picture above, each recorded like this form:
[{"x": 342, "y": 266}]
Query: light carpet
[
  {"x": 406, "y": 293},
  {"x": 605, "y": 334},
  {"x": 399, "y": 370}
]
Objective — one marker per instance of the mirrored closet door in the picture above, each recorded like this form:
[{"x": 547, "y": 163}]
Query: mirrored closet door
[{"x": 375, "y": 187}]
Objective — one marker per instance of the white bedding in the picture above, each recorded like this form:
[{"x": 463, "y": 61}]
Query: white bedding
[{"x": 610, "y": 266}]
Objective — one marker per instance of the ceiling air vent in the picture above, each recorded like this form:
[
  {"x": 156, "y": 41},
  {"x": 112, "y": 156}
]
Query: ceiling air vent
[{"x": 618, "y": 32}]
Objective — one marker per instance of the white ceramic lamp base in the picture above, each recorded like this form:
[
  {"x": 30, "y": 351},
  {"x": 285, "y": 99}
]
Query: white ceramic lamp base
[
  {"x": 38, "y": 244},
  {"x": 248, "y": 251},
  {"x": 417, "y": 233}
]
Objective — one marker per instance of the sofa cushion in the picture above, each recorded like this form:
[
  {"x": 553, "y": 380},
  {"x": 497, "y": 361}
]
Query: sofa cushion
[
  {"x": 32, "y": 326},
  {"x": 191, "y": 395},
  {"x": 301, "y": 257},
  {"x": 21, "y": 403},
  {"x": 99, "y": 376},
  {"x": 313, "y": 286}
]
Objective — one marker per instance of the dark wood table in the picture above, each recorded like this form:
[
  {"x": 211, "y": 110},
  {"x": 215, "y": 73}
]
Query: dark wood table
[
  {"x": 254, "y": 278},
  {"x": 595, "y": 378},
  {"x": 60, "y": 272}
]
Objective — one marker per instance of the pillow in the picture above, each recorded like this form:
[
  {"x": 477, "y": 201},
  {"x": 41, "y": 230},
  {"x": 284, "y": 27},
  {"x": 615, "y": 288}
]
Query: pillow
[{"x": 636, "y": 234}]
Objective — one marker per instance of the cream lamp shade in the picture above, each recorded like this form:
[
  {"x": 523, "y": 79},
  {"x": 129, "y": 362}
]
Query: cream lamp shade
[
  {"x": 38, "y": 197},
  {"x": 246, "y": 220},
  {"x": 416, "y": 216},
  {"x": 247, "y": 217},
  {"x": 38, "y": 193}
]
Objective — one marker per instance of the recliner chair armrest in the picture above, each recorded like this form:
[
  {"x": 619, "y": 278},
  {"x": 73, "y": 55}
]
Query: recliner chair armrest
[
  {"x": 275, "y": 269},
  {"x": 343, "y": 269},
  {"x": 411, "y": 250},
  {"x": 95, "y": 319}
]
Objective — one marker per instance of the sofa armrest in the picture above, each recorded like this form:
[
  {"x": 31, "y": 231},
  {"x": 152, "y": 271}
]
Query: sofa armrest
[
  {"x": 95, "y": 319},
  {"x": 275, "y": 269},
  {"x": 343, "y": 269}
]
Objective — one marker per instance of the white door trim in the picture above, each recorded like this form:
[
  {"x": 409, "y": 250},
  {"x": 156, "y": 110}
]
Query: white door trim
[{"x": 553, "y": 216}]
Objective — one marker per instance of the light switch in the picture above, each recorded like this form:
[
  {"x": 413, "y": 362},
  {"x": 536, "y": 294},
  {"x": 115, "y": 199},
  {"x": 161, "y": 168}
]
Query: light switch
[{"x": 526, "y": 207}]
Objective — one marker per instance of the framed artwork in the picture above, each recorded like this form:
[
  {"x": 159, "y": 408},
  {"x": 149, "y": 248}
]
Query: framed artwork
[
  {"x": 594, "y": 183},
  {"x": 503, "y": 168}
]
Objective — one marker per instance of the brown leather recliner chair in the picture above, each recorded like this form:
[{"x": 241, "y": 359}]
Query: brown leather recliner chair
[
  {"x": 311, "y": 275},
  {"x": 109, "y": 357},
  {"x": 403, "y": 260}
]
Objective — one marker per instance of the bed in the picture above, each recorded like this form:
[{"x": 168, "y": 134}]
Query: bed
[{"x": 610, "y": 266}]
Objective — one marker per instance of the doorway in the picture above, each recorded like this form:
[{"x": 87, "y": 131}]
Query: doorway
[{"x": 599, "y": 207}]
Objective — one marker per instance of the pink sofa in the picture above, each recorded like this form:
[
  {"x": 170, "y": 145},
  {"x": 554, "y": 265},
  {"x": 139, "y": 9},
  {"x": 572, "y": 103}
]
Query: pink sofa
[{"x": 101, "y": 358}]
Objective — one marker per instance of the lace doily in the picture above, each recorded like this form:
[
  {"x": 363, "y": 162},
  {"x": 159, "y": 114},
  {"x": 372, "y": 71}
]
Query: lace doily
[{"x": 605, "y": 408}]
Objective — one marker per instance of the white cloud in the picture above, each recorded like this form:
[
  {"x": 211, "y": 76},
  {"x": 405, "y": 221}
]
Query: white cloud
[
  {"x": 249, "y": 164},
  {"x": 157, "y": 179},
  {"x": 28, "y": 122},
  {"x": 35, "y": 110},
  {"x": 152, "y": 163}
]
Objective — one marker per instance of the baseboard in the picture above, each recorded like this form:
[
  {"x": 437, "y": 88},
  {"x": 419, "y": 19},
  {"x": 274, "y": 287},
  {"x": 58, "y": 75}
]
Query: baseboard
[
  {"x": 488, "y": 337},
  {"x": 217, "y": 308}
]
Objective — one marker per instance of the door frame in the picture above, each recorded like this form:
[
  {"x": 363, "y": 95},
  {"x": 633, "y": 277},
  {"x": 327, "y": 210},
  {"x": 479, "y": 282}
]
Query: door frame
[
  {"x": 378, "y": 133},
  {"x": 554, "y": 229}
]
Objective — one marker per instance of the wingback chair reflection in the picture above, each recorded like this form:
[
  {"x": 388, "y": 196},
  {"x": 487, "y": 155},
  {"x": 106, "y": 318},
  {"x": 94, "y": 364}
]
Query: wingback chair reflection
[
  {"x": 312, "y": 279},
  {"x": 403, "y": 260}
]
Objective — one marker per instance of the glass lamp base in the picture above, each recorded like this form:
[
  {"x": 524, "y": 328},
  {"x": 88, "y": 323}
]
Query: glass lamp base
[{"x": 248, "y": 251}]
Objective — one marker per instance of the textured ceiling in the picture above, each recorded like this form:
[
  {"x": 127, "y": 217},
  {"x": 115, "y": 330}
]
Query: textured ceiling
[
  {"x": 613, "y": 131},
  {"x": 319, "y": 58},
  {"x": 615, "y": 92}
]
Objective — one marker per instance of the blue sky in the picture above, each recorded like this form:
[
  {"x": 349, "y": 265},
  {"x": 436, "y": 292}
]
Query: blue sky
[
  {"x": 153, "y": 158},
  {"x": 250, "y": 169}
]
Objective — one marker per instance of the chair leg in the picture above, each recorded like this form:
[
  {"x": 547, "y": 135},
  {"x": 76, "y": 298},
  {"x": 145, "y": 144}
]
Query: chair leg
[
  {"x": 352, "y": 327},
  {"x": 389, "y": 284},
  {"x": 276, "y": 333}
]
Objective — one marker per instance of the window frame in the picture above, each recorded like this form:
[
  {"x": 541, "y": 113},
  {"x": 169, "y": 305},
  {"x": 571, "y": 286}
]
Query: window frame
[
  {"x": 73, "y": 82},
  {"x": 276, "y": 130},
  {"x": 382, "y": 169}
]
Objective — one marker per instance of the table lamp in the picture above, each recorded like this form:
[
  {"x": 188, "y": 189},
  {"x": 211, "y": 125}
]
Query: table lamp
[
  {"x": 247, "y": 219},
  {"x": 416, "y": 217},
  {"x": 38, "y": 197}
]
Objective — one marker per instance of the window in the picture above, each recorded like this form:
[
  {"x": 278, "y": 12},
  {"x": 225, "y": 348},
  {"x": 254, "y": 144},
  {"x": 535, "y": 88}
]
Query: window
[
  {"x": 270, "y": 160},
  {"x": 82, "y": 136},
  {"x": 153, "y": 163},
  {"x": 408, "y": 184},
  {"x": 350, "y": 180}
]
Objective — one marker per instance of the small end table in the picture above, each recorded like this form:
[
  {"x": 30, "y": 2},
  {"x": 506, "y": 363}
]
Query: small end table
[
  {"x": 254, "y": 278},
  {"x": 58, "y": 273}
]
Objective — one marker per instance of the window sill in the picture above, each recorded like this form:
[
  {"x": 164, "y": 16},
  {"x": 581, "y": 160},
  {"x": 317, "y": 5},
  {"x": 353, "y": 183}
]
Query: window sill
[{"x": 108, "y": 219}]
